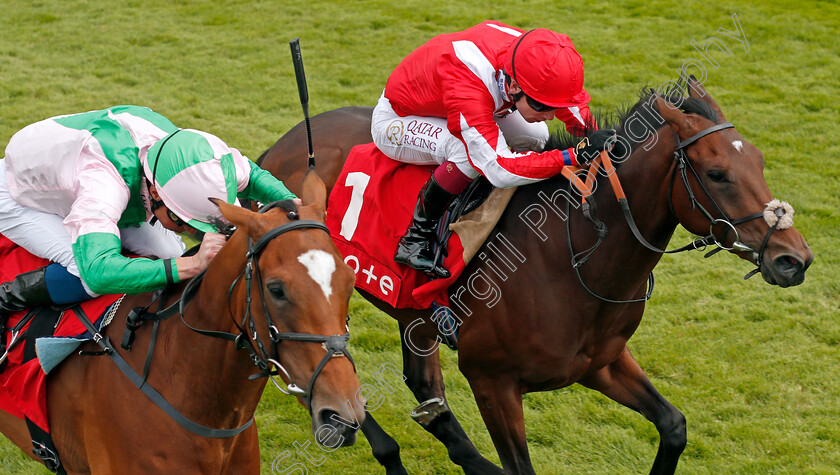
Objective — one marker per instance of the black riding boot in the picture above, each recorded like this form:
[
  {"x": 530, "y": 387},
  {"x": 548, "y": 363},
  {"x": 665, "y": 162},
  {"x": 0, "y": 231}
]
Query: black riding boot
[
  {"x": 27, "y": 290},
  {"x": 415, "y": 248}
]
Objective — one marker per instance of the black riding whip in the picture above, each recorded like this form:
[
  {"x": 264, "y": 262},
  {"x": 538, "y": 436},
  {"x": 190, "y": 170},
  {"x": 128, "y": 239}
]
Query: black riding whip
[{"x": 304, "y": 94}]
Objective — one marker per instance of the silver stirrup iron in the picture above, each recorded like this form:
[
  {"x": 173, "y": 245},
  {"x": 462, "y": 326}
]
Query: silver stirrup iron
[{"x": 428, "y": 411}]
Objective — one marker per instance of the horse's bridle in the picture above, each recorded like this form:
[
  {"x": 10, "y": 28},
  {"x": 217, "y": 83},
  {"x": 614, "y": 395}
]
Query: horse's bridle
[
  {"x": 334, "y": 345},
  {"x": 682, "y": 164},
  {"x": 730, "y": 224}
]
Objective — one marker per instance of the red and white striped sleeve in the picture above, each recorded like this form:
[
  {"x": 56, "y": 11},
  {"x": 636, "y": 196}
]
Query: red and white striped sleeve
[{"x": 470, "y": 106}]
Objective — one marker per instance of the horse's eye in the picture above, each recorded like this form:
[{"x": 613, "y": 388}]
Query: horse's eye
[
  {"x": 717, "y": 176},
  {"x": 276, "y": 291}
]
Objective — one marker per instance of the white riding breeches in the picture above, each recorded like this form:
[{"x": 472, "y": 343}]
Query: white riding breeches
[
  {"x": 427, "y": 140},
  {"x": 44, "y": 234}
]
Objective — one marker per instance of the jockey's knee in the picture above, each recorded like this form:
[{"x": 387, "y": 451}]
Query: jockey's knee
[{"x": 64, "y": 287}]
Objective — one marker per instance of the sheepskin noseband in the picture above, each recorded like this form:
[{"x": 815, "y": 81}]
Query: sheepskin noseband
[{"x": 780, "y": 212}]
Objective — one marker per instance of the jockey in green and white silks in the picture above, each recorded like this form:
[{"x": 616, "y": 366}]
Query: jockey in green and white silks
[{"x": 77, "y": 189}]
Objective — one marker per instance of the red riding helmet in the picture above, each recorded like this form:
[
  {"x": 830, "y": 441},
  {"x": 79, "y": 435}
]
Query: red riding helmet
[{"x": 547, "y": 68}]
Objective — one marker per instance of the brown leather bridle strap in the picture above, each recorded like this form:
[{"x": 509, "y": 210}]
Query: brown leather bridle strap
[{"x": 586, "y": 188}]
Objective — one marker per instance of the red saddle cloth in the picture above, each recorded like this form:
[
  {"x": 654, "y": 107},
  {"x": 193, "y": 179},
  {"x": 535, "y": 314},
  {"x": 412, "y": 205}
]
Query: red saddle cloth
[
  {"x": 23, "y": 389},
  {"x": 370, "y": 207}
]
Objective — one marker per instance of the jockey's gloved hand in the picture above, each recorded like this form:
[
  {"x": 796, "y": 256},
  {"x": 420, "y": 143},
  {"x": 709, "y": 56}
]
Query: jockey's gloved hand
[{"x": 591, "y": 147}]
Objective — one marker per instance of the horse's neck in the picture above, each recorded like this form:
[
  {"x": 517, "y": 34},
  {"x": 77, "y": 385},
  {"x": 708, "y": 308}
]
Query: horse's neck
[
  {"x": 623, "y": 262},
  {"x": 214, "y": 370},
  {"x": 646, "y": 179}
]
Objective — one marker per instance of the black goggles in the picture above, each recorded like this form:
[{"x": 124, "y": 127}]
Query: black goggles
[{"x": 537, "y": 106}]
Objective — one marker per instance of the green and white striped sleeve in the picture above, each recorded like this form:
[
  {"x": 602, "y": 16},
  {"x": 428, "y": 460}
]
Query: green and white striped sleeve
[
  {"x": 106, "y": 271},
  {"x": 263, "y": 186}
]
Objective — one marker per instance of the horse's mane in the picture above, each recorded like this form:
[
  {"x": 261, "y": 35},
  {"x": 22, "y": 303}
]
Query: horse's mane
[{"x": 643, "y": 110}]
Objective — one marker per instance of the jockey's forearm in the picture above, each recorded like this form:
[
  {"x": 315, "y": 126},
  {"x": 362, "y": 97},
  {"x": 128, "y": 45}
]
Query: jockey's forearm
[
  {"x": 188, "y": 267},
  {"x": 106, "y": 271},
  {"x": 264, "y": 187}
]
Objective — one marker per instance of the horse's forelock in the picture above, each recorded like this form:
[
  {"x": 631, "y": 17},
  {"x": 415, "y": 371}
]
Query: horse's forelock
[{"x": 285, "y": 205}]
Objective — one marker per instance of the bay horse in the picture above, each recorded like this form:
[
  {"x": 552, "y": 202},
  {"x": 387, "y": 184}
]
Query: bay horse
[
  {"x": 280, "y": 289},
  {"x": 555, "y": 324}
]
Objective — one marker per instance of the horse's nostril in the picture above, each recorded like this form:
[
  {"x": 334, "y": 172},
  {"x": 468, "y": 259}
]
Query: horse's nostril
[
  {"x": 788, "y": 266},
  {"x": 335, "y": 431},
  {"x": 326, "y": 417}
]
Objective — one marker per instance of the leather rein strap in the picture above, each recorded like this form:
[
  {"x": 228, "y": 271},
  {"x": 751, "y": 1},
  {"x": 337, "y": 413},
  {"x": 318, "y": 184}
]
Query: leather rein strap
[
  {"x": 586, "y": 188},
  {"x": 335, "y": 345},
  {"x": 150, "y": 392}
]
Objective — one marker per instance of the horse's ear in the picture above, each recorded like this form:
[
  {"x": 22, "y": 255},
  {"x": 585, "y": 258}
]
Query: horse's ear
[
  {"x": 236, "y": 215},
  {"x": 696, "y": 90},
  {"x": 314, "y": 192},
  {"x": 672, "y": 114}
]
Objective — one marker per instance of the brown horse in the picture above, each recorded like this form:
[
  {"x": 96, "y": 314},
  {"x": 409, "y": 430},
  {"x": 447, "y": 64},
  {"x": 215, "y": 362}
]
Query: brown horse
[
  {"x": 100, "y": 421},
  {"x": 553, "y": 324}
]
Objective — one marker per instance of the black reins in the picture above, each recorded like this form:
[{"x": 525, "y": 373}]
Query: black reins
[
  {"x": 682, "y": 165},
  {"x": 334, "y": 345}
]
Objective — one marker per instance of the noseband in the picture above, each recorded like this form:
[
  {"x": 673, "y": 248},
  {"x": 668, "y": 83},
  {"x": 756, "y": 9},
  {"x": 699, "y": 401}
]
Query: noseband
[
  {"x": 334, "y": 345},
  {"x": 682, "y": 166}
]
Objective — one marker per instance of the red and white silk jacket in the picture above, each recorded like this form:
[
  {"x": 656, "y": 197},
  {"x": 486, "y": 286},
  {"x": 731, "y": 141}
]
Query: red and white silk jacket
[{"x": 460, "y": 76}]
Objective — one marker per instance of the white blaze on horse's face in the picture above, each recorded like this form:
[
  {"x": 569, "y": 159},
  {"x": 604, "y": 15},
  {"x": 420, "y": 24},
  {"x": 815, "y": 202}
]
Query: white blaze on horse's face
[
  {"x": 738, "y": 146},
  {"x": 320, "y": 265}
]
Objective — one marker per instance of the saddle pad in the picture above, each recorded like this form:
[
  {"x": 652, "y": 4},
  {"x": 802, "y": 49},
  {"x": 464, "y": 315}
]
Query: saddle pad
[
  {"x": 23, "y": 383},
  {"x": 370, "y": 207}
]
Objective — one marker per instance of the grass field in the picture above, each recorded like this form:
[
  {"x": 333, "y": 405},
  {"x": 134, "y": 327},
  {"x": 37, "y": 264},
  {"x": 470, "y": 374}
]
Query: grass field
[{"x": 754, "y": 368}]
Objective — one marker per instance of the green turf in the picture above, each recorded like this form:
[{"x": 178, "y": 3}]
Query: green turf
[{"x": 752, "y": 367}]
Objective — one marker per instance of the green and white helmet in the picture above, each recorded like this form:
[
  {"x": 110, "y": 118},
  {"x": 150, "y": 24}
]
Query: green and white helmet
[{"x": 189, "y": 166}]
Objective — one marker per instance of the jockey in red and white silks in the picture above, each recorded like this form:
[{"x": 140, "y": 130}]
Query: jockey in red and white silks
[
  {"x": 447, "y": 100},
  {"x": 475, "y": 102}
]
